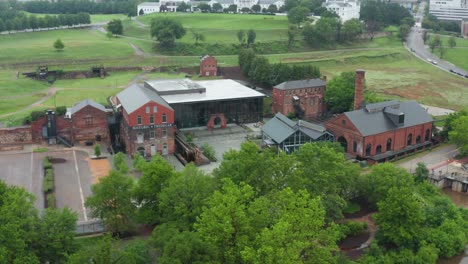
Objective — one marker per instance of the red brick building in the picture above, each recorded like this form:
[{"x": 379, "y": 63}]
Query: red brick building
[
  {"x": 381, "y": 131},
  {"x": 85, "y": 121},
  {"x": 147, "y": 124},
  {"x": 208, "y": 66},
  {"x": 305, "y": 98}
]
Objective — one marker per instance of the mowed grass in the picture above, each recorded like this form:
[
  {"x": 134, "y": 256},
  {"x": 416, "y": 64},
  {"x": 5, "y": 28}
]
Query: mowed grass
[
  {"x": 217, "y": 28},
  {"x": 459, "y": 57},
  {"x": 80, "y": 45},
  {"x": 106, "y": 17},
  {"x": 18, "y": 93},
  {"x": 461, "y": 42}
]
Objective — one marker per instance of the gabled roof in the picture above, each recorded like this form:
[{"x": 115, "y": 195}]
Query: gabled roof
[
  {"x": 205, "y": 57},
  {"x": 136, "y": 96},
  {"x": 225, "y": 2},
  {"x": 268, "y": 2},
  {"x": 301, "y": 84},
  {"x": 379, "y": 118},
  {"x": 78, "y": 106},
  {"x": 150, "y": 4},
  {"x": 280, "y": 128}
]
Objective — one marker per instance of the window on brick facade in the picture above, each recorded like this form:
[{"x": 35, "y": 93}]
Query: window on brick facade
[
  {"x": 418, "y": 139},
  {"x": 155, "y": 109},
  {"x": 389, "y": 144},
  {"x": 164, "y": 118},
  {"x": 354, "y": 146},
  {"x": 378, "y": 149},
  {"x": 151, "y": 133},
  {"x": 140, "y": 137},
  {"x": 151, "y": 119},
  {"x": 147, "y": 109},
  {"x": 139, "y": 120},
  {"x": 164, "y": 132},
  {"x": 368, "y": 149},
  {"x": 428, "y": 133},
  {"x": 312, "y": 101},
  {"x": 88, "y": 120},
  {"x": 410, "y": 140}
]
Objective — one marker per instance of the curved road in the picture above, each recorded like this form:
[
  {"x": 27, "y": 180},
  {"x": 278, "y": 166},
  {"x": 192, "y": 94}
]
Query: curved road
[{"x": 415, "y": 43}]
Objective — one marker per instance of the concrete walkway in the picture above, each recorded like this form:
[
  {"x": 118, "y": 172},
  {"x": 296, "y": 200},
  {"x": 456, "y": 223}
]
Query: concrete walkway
[{"x": 433, "y": 159}]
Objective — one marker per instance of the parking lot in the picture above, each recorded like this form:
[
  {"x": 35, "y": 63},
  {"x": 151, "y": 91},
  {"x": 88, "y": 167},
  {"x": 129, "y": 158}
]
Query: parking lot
[{"x": 72, "y": 177}]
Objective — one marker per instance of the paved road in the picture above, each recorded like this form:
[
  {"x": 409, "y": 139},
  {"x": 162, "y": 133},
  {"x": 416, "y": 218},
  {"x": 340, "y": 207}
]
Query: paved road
[
  {"x": 416, "y": 43},
  {"x": 433, "y": 159}
]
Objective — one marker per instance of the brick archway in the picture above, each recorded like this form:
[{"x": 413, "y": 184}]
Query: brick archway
[{"x": 211, "y": 121}]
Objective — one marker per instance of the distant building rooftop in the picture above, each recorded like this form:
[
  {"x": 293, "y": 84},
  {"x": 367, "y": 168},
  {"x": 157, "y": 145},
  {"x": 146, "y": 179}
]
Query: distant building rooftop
[
  {"x": 188, "y": 91},
  {"x": 301, "y": 84}
]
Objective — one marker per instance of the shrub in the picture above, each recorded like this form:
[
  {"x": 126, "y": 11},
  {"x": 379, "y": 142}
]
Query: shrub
[
  {"x": 51, "y": 200},
  {"x": 355, "y": 228},
  {"x": 35, "y": 115},
  {"x": 48, "y": 184},
  {"x": 97, "y": 150},
  {"x": 120, "y": 162},
  {"x": 209, "y": 152},
  {"x": 46, "y": 163},
  {"x": 351, "y": 208},
  {"x": 60, "y": 110},
  {"x": 40, "y": 150}
]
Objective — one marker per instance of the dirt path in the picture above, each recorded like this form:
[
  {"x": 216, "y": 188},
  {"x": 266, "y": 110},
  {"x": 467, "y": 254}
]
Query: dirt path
[{"x": 50, "y": 93}]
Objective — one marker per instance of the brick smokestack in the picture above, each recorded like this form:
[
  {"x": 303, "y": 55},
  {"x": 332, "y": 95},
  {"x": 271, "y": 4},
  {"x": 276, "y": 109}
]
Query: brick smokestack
[{"x": 359, "y": 90}]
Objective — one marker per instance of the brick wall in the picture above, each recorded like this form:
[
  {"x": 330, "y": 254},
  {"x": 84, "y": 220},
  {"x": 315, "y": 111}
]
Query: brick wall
[
  {"x": 15, "y": 135},
  {"x": 209, "y": 66},
  {"x": 311, "y": 100},
  {"x": 88, "y": 123}
]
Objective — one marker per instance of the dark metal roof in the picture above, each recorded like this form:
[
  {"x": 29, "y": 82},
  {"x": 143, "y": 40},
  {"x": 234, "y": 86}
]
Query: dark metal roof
[
  {"x": 77, "y": 107},
  {"x": 301, "y": 84},
  {"x": 136, "y": 96},
  {"x": 375, "y": 118},
  {"x": 280, "y": 128}
]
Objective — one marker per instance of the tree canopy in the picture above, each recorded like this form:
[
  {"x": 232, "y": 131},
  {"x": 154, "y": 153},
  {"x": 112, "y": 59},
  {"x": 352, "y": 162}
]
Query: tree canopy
[
  {"x": 115, "y": 26},
  {"x": 166, "y": 31}
]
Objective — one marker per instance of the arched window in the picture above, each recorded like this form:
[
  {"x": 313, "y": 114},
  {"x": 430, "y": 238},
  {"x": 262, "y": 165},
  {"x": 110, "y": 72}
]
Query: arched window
[
  {"x": 368, "y": 149},
  {"x": 354, "y": 146},
  {"x": 428, "y": 133},
  {"x": 378, "y": 149},
  {"x": 418, "y": 139},
  {"x": 389, "y": 144},
  {"x": 410, "y": 140}
]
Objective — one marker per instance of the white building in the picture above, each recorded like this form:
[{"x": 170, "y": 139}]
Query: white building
[
  {"x": 456, "y": 10},
  {"x": 171, "y": 5},
  {"x": 346, "y": 9}
]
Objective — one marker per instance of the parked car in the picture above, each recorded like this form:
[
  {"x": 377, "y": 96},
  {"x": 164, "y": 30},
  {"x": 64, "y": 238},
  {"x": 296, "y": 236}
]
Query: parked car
[
  {"x": 451, "y": 70},
  {"x": 434, "y": 62},
  {"x": 429, "y": 60}
]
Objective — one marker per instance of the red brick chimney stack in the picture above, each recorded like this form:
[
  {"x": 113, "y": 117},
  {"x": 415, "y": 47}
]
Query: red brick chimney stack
[{"x": 359, "y": 89}]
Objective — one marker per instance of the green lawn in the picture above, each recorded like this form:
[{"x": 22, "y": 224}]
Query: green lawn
[
  {"x": 461, "y": 42},
  {"x": 107, "y": 17},
  {"x": 459, "y": 57}
]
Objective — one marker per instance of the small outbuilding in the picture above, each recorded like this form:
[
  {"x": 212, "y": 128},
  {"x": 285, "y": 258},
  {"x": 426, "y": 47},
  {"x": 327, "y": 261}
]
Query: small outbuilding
[
  {"x": 208, "y": 66},
  {"x": 289, "y": 135}
]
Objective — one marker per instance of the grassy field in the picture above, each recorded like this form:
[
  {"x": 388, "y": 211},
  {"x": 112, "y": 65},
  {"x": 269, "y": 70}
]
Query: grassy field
[
  {"x": 457, "y": 55},
  {"x": 460, "y": 41},
  {"x": 217, "y": 28},
  {"x": 108, "y": 17}
]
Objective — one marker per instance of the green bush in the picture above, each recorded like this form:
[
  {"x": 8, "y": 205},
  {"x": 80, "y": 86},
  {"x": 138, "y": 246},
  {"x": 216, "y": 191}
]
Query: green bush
[
  {"x": 40, "y": 150},
  {"x": 209, "y": 152},
  {"x": 353, "y": 228},
  {"x": 351, "y": 208},
  {"x": 51, "y": 200},
  {"x": 60, "y": 110},
  {"x": 46, "y": 163},
  {"x": 35, "y": 115},
  {"x": 48, "y": 184}
]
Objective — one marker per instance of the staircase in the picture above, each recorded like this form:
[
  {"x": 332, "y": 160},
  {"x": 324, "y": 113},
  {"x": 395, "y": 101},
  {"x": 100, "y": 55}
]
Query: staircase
[{"x": 64, "y": 142}]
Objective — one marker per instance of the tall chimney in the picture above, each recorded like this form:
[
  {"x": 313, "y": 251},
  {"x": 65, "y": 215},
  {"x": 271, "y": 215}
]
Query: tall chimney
[{"x": 359, "y": 89}]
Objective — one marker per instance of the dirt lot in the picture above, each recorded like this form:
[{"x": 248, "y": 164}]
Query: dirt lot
[{"x": 72, "y": 177}]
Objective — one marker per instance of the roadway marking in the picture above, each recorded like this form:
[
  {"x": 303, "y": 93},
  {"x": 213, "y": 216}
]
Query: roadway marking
[{"x": 79, "y": 184}]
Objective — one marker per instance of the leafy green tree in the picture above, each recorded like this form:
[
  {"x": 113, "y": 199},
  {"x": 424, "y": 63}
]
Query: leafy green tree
[
  {"x": 97, "y": 150},
  {"x": 272, "y": 9},
  {"x": 232, "y": 9},
  {"x": 241, "y": 36},
  {"x": 58, "y": 45},
  {"x": 372, "y": 16},
  {"x": 251, "y": 36},
  {"x": 351, "y": 29},
  {"x": 291, "y": 37},
  {"x": 112, "y": 202},
  {"x": 323, "y": 171},
  {"x": 183, "y": 7},
  {"x": 452, "y": 42},
  {"x": 204, "y": 7},
  {"x": 217, "y": 7},
  {"x": 297, "y": 15},
  {"x": 115, "y": 26},
  {"x": 224, "y": 224},
  {"x": 18, "y": 229},
  {"x": 326, "y": 29},
  {"x": 448, "y": 124},
  {"x": 2, "y": 25},
  {"x": 400, "y": 218},
  {"x": 155, "y": 176},
  {"x": 442, "y": 51},
  {"x": 375, "y": 185},
  {"x": 184, "y": 196},
  {"x": 459, "y": 134},
  {"x": 256, "y": 8},
  {"x": 246, "y": 56},
  {"x": 403, "y": 31},
  {"x": 436, "y": 42},
  {"x": 166, "y": 31},
  {"x": 246, "y": 10},
  {"x": 266, "y": 172},
  {"x": 56, "y": 235},
  {"x": 297, "y": 234},
  {"x": 181, "y": 247},
  {"x": 198, "y": 36},
  {"x": 421, "y": 172},
  {"x": 339, "y": 95},
  {"x": 33, "y": 23},
  {"x": 260, "y": 70},
  {"x": 120, "y": 163}
]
